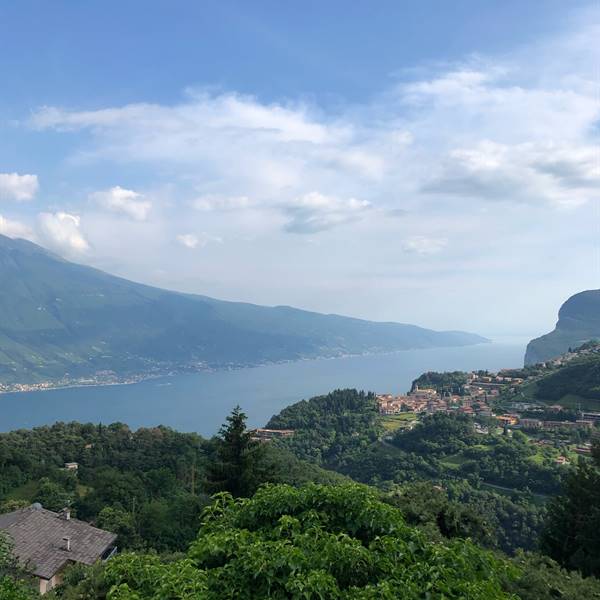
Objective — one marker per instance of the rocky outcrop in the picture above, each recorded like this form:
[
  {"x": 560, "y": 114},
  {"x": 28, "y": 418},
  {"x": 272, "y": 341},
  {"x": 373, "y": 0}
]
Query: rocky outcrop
[{"x": 578, "y": 322}]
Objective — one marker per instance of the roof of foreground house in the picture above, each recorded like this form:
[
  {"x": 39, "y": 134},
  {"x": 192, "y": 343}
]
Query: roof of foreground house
[{"x": 38, "y": 537}]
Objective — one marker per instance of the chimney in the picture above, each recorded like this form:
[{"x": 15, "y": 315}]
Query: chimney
[
  {"x": 67, "y": 545},
  {"x": 65, "y": 514}
]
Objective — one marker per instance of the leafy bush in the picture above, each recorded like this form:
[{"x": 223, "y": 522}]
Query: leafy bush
[{"x": 311, "y": 542}]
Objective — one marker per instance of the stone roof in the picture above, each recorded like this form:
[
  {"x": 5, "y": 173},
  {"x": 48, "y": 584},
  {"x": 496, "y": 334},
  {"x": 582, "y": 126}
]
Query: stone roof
[{"x": 37, "y": 535}]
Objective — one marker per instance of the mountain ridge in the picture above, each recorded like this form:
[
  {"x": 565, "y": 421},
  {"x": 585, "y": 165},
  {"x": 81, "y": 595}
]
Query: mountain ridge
[{"x": 60, "y": 319}]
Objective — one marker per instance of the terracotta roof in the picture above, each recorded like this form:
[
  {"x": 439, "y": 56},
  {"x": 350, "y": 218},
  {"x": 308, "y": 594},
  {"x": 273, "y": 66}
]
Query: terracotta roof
[{"x": 37, "y": 535}]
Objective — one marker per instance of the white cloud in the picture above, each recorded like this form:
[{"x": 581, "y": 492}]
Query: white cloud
[
  {"x": 127, "y": 202},
  {"x": 315, "y": 212},
  {"x": 558, "y": 174},
  {"x": 479, "y": 130},
  {"x": 192, "y": 240},
  {"x": 189, "y": 240},
  {"x": 424, "y": 245},
  {"x": 220, "y": 203},
  {"x": 15, "y": 229},
  {"x": 18, "y": 187},
  {"x": 62, "y": 232},
  {"x": 464, "y": 164}
]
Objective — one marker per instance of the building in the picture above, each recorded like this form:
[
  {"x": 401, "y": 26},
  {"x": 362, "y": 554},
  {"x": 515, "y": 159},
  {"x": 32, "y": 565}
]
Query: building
[
  {"x": 591, "y": 416},
  {"x": 423, "y": 394},
  {"x": 45, "y": 542},
  {"x": 71, "y": 466},
  {"x": 266, "y": 435},
  {"x": 579, "y": 424},
  {"x": 531, "y": 423},
  {"x": 508, "y": 419}
]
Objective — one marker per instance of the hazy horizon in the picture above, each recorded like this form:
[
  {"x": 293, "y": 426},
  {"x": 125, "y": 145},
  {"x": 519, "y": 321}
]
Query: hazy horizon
[{"x": 438, "y": 167}]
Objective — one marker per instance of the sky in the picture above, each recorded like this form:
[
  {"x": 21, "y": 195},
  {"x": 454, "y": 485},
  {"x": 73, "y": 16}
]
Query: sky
[{"x": 426, "y": 162}]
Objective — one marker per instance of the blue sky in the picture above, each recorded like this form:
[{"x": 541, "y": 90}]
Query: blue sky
[{"x": 426, "y": 162}]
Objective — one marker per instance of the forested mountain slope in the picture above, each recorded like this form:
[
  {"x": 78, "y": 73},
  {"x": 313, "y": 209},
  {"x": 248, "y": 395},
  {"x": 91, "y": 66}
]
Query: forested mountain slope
[
  {"x": 572, "y": 380},
  {"x": 61, "y": 319}
]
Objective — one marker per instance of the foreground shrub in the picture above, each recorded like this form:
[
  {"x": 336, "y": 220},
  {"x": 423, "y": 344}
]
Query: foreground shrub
[{"x": 311, "y": 542}]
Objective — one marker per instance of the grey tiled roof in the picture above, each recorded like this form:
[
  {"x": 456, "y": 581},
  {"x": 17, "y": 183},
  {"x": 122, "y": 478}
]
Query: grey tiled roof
[{"x": 38, "y": 535}]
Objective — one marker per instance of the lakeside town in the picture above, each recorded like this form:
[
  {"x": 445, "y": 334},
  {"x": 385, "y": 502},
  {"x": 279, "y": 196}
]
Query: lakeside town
[{"x": 480, "y": 398}]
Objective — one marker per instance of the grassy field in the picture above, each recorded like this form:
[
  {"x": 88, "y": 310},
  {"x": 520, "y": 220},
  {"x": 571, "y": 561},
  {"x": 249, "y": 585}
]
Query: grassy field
[{"x": 392, "y": 423}]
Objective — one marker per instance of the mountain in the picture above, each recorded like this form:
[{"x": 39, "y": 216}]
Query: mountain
[
  {"x": 578, "y": 322},
  {"x": 59, "y": 319}
]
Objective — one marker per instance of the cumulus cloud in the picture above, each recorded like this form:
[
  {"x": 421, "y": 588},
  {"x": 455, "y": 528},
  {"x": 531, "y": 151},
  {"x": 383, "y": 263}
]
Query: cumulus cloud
[
  {"x": 257, "y": 149},
  {"x": 127, "y": 202},
  {"x": 15, "y": 229},
  {"x": 484, "y": 130},
  {"x": 61, "y": 231},
  {"x": 483, "y": 151},
  {"x": 563, "y": 175},
  {"x": 18, "y": 187}
]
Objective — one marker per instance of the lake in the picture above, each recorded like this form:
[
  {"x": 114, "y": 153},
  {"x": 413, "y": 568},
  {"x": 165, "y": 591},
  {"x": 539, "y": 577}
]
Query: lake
[{"x": 199, "y": 402}]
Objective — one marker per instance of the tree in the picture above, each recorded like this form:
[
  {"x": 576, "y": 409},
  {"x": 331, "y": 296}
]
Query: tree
[
  {"x": 334, "y": 542},
  {"x": 52, "y": 495},
  {"x": 119, "y": 521},
  {"x": 571, "y": 534},
  {"x": 13, "y": 584},
  {"x": 231, "y": 471}
]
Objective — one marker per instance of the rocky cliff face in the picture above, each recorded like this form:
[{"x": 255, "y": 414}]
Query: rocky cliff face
[{"x": 578, "y": 322}]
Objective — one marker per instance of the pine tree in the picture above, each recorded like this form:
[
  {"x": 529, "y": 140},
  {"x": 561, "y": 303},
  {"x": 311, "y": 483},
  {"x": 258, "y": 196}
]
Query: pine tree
[{"x": 232, "y": 470}]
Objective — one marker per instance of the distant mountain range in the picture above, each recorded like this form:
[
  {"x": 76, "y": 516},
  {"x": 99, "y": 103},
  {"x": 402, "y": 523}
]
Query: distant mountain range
[
  {"x": 578, "y": 322},
  {"x": 63, "y": 321}
]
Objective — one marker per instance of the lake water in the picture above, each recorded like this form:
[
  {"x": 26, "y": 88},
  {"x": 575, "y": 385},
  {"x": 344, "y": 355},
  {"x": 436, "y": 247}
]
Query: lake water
[{"x": 199, "y": 402}]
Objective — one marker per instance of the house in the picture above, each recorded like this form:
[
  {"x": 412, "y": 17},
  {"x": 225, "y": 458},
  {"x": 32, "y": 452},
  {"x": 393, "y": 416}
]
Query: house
[
  {"x": 266, "y": 435},
  {"x": 508, "y": 419},
  {"x": 45, "y": 542},
  {"x": 71, "y": 466},
  {"x": 531, "y": 423}
]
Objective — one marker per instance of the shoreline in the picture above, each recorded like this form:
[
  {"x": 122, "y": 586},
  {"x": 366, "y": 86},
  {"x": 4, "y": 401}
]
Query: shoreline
[{"x": 140, "y": 378}]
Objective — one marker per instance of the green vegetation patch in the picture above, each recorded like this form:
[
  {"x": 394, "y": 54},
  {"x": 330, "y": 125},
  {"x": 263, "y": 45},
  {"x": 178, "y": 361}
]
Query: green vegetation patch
[
  {"x": 312, "y": 542},
  {"x": 392, "y": 423}
]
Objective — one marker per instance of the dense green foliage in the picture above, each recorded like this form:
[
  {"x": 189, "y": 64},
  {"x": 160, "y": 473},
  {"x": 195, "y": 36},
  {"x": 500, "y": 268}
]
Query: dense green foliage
[
  {"x": 572, "y": 533},
  {"x": 421, "y": 454},
  {"x": 58, "y": 318},
  {"x": 438, "y": 435},
  {"x": 325, "y": 542},
  {"x": 581, "y": 377},
  {"x": 14, "y": 584},
  {"x": 148, "y": 486},
  {"x": 542, "y": 579},
  {"x": 451, "y": 381},
  {"x": 233, "y": 470},
  {"x": 311, "y": 542},
  {"x": 316, "y": 541},
  {"x": 459, "y": 510},
  {"x": 508, "y": 462},
  {"x": 573, "y": 383},
  {"x": 328, "y": 428}
]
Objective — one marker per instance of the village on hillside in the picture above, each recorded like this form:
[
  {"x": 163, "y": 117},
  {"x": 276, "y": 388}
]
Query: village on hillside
[{"x": 477, "y": 399}]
